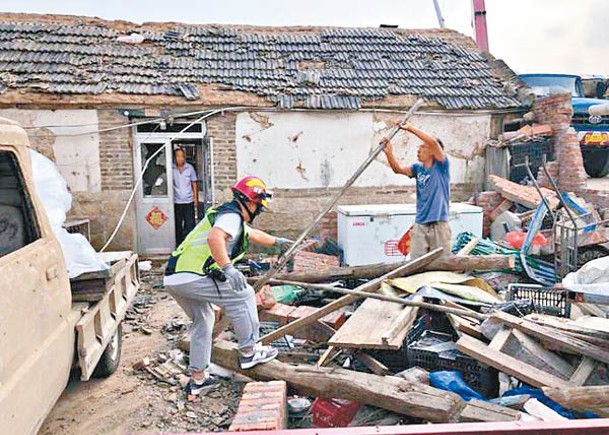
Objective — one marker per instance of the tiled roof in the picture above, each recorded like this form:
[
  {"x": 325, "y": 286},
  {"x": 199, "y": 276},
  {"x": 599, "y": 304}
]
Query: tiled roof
[{"x": 325, "y": 68}]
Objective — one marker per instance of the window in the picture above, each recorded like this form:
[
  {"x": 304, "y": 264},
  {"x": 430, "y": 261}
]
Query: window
[
  {"x": 18, "y": 225},
  {"x": 155, "y": 176}
]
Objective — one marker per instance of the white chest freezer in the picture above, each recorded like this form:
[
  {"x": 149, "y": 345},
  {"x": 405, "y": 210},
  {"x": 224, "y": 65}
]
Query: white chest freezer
[{"x": 369, "y": 234}]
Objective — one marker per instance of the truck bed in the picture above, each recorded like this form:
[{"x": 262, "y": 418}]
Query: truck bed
[{"x": 102, "y": 299}]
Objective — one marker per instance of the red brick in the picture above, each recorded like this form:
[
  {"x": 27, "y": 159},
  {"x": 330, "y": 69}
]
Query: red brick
[
  {"x": 279, "y": 312},
  {"x": 262, "y": 407}
]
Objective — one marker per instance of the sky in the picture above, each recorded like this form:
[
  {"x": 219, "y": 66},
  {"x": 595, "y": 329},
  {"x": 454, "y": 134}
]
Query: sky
[{"x": 555, "y": 36}]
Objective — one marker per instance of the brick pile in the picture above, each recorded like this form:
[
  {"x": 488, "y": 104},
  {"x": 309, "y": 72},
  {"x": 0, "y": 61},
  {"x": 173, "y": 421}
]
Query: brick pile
[
  {"x": 310, "y": 261},
  {"x": 329, "y": 226},
  {"x": 263, "y": 406}
]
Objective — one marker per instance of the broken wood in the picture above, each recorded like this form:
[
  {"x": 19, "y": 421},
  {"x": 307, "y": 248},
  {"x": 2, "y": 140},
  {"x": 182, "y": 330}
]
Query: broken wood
[
  {"x": 469, "y": 247},
  {"x": 365, "y": 328},
  {"x": 360, "y": 294},
  {"x": 368, "y": 287},
  {"x": 375, "y": 366},
  {"x": 583, "y": 371},
  {"x": 450, "y": 263},
  {"x": 479, "y": 410},
  {"x": 387, "y": 392},
  {"x": 559, "y": 340},
  {"x": 593, "y": 398},
  {"x": 402, "y": 323},
  {"x": 532, "y": 352},
  {"x": 329, "y": 354},
  {"x": 507, "y": 364},
  {"x": 500, "y": 338},
  {"x": 566, "y": 325}
]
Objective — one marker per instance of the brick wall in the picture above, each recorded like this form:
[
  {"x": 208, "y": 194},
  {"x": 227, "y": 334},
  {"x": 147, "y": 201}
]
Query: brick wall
[
  {"x": 262, "y": 407},
  {"x": 221, "y": 129},
  {"x": 556, "y": 111},
  {"x": 105, "y": 208}
]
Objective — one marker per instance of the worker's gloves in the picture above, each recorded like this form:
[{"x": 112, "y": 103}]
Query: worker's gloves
[
  {"x": 283, "y": 244},
  {"x": 235, "y": 278}
]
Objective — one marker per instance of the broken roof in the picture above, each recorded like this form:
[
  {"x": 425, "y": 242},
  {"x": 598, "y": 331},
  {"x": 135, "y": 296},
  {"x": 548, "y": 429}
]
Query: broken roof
[{"x": 321, "y": 68}]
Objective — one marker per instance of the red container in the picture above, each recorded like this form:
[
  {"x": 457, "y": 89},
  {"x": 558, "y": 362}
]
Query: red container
[{"x": 333, "y": 412}]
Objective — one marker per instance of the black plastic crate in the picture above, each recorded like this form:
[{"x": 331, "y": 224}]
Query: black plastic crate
[
  {"x": 545, "y": 300},
  {"x": 535, "y": 150},
  {"x": 437, "y": 351}
]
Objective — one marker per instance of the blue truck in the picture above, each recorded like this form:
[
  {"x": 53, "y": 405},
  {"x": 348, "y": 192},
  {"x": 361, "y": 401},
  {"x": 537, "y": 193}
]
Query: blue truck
[{"x": 592, "y": 129}]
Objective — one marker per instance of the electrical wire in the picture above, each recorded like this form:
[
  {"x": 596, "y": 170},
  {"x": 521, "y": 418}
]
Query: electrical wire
[{"x": 168, "y": 142}]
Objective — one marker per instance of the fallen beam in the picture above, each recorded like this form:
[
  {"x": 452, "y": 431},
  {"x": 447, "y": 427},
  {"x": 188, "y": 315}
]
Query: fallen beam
[
  {"x": 593, "y": 398},
  {"x": 387, "y": 392},
  {"x": 370, "y": 286},
  {"x": 447, "y": 263}
]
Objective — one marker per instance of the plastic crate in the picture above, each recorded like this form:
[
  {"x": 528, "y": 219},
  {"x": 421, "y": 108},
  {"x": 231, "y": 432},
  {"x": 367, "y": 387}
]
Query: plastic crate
[
  {"x": 333, "y": 412},
  {"x": 437, "y": 351},
  {"x": 545, "y": 300},
  {"x": 535, "y": 150}
]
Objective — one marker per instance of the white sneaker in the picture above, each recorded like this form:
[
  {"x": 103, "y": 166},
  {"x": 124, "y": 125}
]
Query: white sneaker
[{"x": 261, "y": 355}]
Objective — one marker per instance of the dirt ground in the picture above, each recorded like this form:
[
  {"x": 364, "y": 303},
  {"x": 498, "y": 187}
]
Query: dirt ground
[{"x": 131, "y": 401}]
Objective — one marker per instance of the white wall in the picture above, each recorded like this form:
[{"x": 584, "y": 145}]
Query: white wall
[
  {"x": 76, "y": 155},
  {"x": 312, "y": 150}
]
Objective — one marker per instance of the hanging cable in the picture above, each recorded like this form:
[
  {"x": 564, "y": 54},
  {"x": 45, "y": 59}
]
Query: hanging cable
[{"x": 141, "y": 175}]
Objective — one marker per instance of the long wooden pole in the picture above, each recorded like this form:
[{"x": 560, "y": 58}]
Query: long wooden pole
[
  {"x": 290, "y": 252},
  {"x": 450, "y": 263},
  {"x": 370, "y": 286},
  {"x": 420, "y": 304}
]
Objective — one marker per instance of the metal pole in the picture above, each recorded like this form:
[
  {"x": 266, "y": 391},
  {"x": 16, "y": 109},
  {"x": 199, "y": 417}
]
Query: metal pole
[
  {"x": 439, "y": 14},
  {"x": 290, "y": 252}
]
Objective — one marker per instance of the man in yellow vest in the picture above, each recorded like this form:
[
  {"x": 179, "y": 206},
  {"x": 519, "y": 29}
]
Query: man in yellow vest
[{"x": 201, "y": 272}]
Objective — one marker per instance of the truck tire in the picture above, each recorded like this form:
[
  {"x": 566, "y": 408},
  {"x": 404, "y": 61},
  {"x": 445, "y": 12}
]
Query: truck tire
[
  {"x": 596, "y": 160},
  {"x": 110, "y": 359}
]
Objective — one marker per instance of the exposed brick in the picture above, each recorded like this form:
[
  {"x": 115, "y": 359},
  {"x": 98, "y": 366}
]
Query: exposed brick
[
  {"x": 311, "y": 261},
  {"x": 262, "y": 407}
]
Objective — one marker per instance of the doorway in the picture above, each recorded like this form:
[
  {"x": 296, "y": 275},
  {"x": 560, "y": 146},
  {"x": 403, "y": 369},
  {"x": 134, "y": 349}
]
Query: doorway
[{"x": 154, "y": 196}]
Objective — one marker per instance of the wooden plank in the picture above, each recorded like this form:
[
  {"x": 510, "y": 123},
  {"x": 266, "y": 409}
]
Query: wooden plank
[
  {"x": 402, "y": 324},
  {"x": 500, "y": 339},
  {"x": 375, "y": 366},
  {"x": 593, "y": 398},
  {"x": 478, "y": 410},
  {"x": 365, "y": 328},
  {"x": 568, "y": 325},
  {"x": 546, "y": 358},
  {"x": 583, "y": 371},
  {"x": 469, "y": 247},
  {"x": 370, "y": 286},
  {"x": 330, "y": 353},
  {"x": 557, "y": 339},
  {"x": 505, "y": 363}
]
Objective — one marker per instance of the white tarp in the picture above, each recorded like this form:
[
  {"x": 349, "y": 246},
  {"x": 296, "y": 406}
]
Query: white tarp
[
  {"x": 53, "y": 192},
  {"x": 592, "y": 277}
]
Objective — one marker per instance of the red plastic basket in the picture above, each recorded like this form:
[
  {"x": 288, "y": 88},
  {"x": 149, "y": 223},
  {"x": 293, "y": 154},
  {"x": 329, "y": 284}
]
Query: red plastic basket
[{"x": 333, "y": 412}]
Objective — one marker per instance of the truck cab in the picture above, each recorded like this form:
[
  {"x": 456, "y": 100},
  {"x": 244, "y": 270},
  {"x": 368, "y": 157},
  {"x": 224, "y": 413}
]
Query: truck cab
[
  {"x": 44, "y": 332},
  {"x": 592, "y": 129}
]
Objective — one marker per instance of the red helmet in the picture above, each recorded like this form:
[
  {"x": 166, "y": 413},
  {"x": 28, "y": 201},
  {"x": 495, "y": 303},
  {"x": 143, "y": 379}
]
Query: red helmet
[{"x": 254, "y": 189}]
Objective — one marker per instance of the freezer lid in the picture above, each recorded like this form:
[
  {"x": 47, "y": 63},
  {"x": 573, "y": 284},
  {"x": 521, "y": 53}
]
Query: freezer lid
[{"x": 399, "y": 209}]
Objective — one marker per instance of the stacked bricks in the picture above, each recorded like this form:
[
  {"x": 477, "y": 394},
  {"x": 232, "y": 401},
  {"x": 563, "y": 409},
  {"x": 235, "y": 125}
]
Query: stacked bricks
[
  {"x": 489, "y": 201},
  {"x": 329, "y": 226},
  {"x": 115, "y": 152},
  {"x": 556, "y": 111},
  {"x": 221, "y": 130},
  {"x": 310, "y": 261},
  {"x": 262, "y": 407}
]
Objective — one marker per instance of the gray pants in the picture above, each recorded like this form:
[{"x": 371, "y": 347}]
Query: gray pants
[
  {"x": 196, "y": 297},
  {"x": 427, "y": 237}
]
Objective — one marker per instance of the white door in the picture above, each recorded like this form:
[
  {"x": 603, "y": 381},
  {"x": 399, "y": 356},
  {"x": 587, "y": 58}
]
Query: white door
[{"x": 154, "y": 196}]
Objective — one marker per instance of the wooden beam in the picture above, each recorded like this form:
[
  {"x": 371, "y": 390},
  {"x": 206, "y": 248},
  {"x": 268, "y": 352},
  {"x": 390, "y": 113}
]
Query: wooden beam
[
  {"x": 545, "y": 359},
  {"x": 593, "y": 398},
  {"x": 556, "y": 338},
  {"x": 583, "y": 371},
  {"x": 469, "y": 247},
  {"x": 403, "y": 322},
  {"x": 500, "y": 339},
  {"x": 375, "y": 366},
  {"x": 446, "y": 263},
  {"x": 330, "y": 354},
  {"x": 370, "y": 286},
  {"x": 505, "y": 363},
  {"x": 387, "y": 392},
  {"x": 566, "y": 325}
]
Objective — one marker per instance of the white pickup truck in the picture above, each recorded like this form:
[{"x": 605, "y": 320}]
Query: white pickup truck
[{"x": 48, "y": 325}]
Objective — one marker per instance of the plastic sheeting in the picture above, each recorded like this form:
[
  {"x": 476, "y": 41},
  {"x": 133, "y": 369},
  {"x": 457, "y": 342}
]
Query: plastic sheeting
[
  {"x": 592, "y": 277},
  {"x": 79, "y": 255}
]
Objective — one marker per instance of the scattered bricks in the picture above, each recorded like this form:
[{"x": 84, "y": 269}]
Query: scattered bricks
[
  {"x": 139, "y": 365},
  {"x": 505, "y": 205},
  {"x": 309, "y": 261},
  {"x": 525, "y": 195},
  {"x": 265, "y": 299},
  {"x": 262, "y": 407},
  {"x": 279, "y": 312},
  {"x": 336, "y": 319}
]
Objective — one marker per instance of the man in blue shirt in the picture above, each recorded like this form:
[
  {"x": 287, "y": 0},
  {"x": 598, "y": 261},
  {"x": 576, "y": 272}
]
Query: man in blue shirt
[
  {"x": 185, "y": 195},
  {"x": 431, "y": 229}
]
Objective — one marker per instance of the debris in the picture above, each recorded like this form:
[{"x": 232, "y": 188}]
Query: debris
[
  {"x": 525, "y": 195},
  {"x": 415, "y": 374},
  {"x": 387, "y": 392},
  {"x": 333, "y": 412},
  {"x": 144, "y": 266},
  {"x": 133, "y": 38}
]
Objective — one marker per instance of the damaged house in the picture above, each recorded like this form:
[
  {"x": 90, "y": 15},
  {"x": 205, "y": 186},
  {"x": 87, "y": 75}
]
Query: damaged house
[{"x": 300, "y": 107}]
